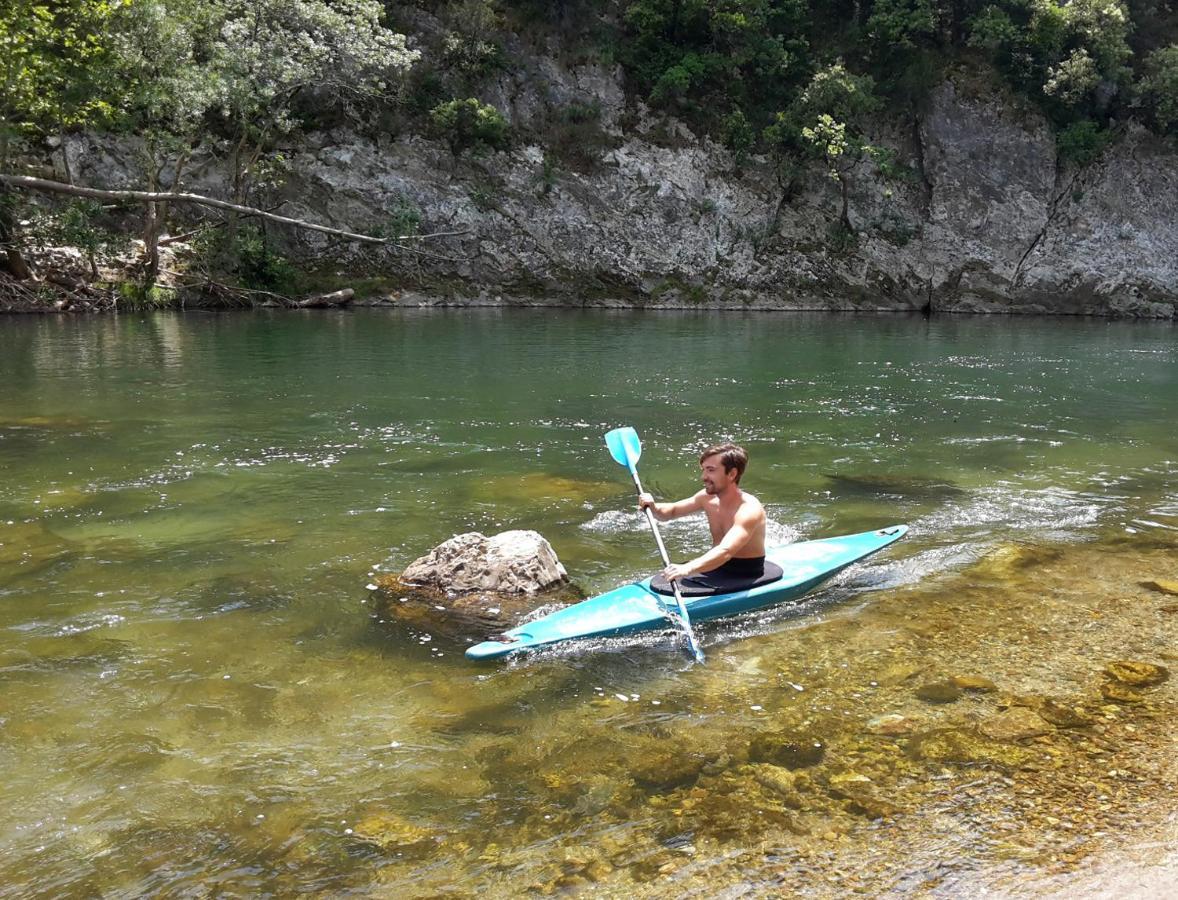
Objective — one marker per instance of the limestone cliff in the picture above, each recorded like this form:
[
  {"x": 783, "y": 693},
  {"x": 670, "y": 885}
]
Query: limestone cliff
[{"x": 983, "y": 218}]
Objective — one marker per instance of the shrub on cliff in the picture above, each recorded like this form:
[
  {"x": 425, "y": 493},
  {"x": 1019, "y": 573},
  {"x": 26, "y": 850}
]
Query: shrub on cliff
[
  {"x": 1081, "y": 142},
  {"x": 469, "y": 125},
  {"x": 1159, "y": 87},
  {"x": 709, "y": 60},
  {"x": 1071, "y": 58}
]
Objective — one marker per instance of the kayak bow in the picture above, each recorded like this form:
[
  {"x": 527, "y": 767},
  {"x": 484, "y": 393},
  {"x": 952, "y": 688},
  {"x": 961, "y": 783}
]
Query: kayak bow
[{"x": 635, "y": 607}]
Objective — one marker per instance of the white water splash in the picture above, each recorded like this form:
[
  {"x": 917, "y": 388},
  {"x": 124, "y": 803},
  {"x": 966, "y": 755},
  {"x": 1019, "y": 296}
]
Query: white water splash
[{"x": 1054, "y": 512}]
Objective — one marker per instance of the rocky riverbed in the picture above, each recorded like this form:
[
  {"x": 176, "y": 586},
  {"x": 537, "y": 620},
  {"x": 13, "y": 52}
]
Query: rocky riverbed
[{"x": 996, "y": 728}]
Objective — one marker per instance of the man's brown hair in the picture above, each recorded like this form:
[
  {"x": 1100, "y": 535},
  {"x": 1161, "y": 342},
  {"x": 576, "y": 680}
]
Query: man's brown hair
[{"x": 732, "y": 456}]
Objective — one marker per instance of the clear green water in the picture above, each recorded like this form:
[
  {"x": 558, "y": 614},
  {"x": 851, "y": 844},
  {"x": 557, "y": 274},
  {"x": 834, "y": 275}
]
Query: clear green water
[{"x": 197, "y": 695}]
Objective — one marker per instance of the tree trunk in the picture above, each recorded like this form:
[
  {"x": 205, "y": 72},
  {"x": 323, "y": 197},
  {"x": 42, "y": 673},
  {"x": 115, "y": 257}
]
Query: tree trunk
[
  {"x": 14, "y": 261},
  {"x": 844, "y": 215},
  {"x": 151, "y": 243},
  {"x": 65, "y": 157},
  {"x": 327, "y": 301}
]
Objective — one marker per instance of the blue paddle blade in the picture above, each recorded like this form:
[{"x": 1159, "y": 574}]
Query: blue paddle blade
[{"x": 624, "y": 446}]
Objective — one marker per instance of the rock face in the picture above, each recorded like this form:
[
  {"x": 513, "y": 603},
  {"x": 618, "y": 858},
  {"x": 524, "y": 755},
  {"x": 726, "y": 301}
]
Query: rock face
[
  {"x": 512, "y": 562},
  {"x": 987, "y": 218}
]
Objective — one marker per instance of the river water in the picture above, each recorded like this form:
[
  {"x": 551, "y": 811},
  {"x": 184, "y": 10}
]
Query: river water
[{"x": 200, "y": 694}]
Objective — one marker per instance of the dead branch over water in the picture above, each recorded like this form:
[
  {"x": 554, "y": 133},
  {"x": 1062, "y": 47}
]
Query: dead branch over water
[{"x": 45, "y": 185}]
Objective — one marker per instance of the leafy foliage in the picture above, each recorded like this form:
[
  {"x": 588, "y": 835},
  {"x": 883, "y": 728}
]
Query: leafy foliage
[
  {"x": 80, "y": 224},
  {"x": 825, "y": 122},
  {"x": 468, "y": 48},
  {"x": 224, "y": 77},
  {"x": 248, "y": 257},
  {"x": 404, "y": 218},
  {"x": 1082, "y": 142},
  {"x": 469, "y": 125},
  {"x": 1159, "y": 87},
  {"x": 1063, "y": 53},
  {"x": 54, "y": 72},
  {"x": 713, "y": 59}
]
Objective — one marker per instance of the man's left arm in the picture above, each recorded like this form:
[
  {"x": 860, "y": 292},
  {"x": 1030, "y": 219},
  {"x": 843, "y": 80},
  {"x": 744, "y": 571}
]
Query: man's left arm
[{"x": 732, "y": 542}]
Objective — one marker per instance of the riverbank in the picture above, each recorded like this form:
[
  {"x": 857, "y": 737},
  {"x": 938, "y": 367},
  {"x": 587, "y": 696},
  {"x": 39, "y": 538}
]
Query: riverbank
[{"x": 49, "y": 298}]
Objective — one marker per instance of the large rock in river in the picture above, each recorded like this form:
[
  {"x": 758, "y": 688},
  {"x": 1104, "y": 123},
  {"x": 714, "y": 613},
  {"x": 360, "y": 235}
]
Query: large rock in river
[
  {"x": 473, "y": 585},
  {"x": 513, "y": 562}
]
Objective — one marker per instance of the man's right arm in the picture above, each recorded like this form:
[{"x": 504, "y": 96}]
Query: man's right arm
[{"x": 664, "y": 512}]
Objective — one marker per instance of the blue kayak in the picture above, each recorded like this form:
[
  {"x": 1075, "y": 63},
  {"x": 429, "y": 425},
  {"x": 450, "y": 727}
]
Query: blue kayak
[{"x": 636, "y": 607}]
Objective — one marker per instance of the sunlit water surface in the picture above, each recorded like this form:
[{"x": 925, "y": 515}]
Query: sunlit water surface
[{"x": 199, "y": 694}]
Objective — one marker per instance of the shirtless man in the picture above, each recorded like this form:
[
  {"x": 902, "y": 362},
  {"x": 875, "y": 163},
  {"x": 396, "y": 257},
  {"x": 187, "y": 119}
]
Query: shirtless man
[{"x": 736, "y": 519}]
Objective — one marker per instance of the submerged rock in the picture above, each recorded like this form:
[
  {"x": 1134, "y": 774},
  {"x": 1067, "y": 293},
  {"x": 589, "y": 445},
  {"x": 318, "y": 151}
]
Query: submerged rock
[
  {"x": 1012, "y": 560},
  {"x": 1162, "y": 585},
  {"x": 1136, "y": 674},
  {"x": 961, "y": 746},
  {"x": 780, "y": 781},
  {"x": 670, "y": 769},
  {"x": 1015, "y": 724},
  {"x": 737, "y": 808},
  {"x": 1063, "y": 716},
  {"x": 974, "y": 683},
  {"x": 861, "y": 795},
  {"x": 786, "y": 750},
  {"x": 893, "y": 485},
  {"x": 892, "y": 724},
  {"x": 899, "y": 672},
  {"x": 393, "y": 834},
  {"x": 939, "y": 692},
  {"x": 1120, "y": 693},
  {"x": 30, "y": 545},
  {"x": 512, "y": 562}
]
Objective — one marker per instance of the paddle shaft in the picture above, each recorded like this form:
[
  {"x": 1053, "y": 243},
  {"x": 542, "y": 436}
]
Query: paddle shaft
[
  {"x": 658, "y": 539},
  {"x": 654, "y": 527}
]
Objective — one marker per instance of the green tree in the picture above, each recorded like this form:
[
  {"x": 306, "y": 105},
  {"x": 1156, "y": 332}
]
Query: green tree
[
  {"x": 468, "y": 47},
  {"x": 1081, "y": 142},
  {"x": 1064, "y": 54},
  {"x": 825, "y": 122},
  {"x": 1159, "y": 87},
  {"x": 241, "y": 67},
  {"x": 266, "y": 53},
  {"x": 80, "y": 224},
  {"x": 902, "y": 24},
  {"x": 52, "y": 76},
  {"x": 1074, "y": 79},
  {"x": 167, "y": 89},
  {"x": 708, "y": 59}
]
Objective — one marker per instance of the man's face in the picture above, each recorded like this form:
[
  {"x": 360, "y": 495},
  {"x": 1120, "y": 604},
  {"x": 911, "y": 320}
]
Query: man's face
[{"x": 712, "y": 474}]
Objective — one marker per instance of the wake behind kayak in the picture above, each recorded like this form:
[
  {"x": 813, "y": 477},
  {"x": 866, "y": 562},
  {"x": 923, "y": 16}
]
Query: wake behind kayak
[{"x": 636, "y": 607}]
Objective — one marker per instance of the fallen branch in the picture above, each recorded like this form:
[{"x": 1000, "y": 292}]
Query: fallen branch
[
  {"x": 56, "y": 187},
  {"x": 224, "y": 291},
  {"x": 59, "y": 293},
  {"x": 327, "y": 301}
]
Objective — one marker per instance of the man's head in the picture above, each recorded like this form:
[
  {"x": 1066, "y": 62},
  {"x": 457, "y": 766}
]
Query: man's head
[{"x": 721, "y": 466}]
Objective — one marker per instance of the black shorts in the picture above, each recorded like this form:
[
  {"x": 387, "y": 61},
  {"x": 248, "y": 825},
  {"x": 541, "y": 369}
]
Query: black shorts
[{"x": 734, "y": 575}]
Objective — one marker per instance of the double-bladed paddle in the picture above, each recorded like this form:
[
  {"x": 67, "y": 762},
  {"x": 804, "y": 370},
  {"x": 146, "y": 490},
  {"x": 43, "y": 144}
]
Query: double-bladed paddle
[{"x": 625, "y": 448}]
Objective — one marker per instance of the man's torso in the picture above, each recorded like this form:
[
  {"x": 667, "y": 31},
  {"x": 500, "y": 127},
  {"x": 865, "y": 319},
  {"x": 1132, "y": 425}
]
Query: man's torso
[{"x": 722, "y": 516}]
